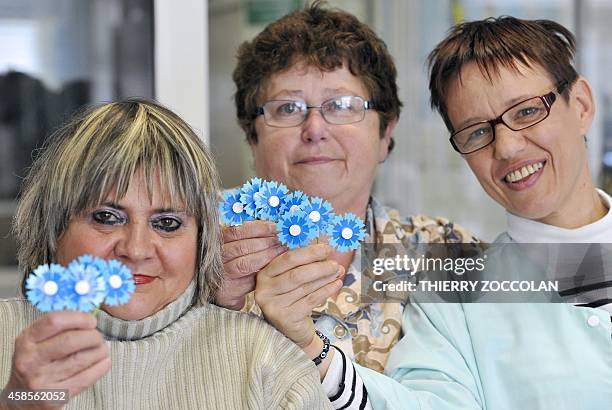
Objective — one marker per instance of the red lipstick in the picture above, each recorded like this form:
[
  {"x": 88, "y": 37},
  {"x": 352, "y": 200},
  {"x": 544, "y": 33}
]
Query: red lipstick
[{"x": 143, "y": 279}]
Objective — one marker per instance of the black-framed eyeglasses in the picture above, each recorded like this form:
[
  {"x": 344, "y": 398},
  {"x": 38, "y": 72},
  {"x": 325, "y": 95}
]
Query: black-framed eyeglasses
[
  {"x": 521, "y": 115},
  {"x": 341, "y": 110}
]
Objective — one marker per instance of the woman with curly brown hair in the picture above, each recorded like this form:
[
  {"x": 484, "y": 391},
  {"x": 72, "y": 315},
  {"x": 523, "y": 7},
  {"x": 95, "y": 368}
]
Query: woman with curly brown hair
[{"x": 316, "y": 96}]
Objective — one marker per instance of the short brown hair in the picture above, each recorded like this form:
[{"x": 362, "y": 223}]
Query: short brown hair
[
  {"x": 500, "y": 42},
  {"x": 101, "y": 149},
  {"x": 324, "y": 39}
]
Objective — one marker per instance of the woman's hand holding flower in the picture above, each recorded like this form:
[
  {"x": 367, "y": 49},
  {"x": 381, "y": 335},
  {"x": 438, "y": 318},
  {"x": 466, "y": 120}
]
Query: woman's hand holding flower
[
  {"x": 295, "y": 283},
  {"x": 247, "y": 248},
  {"x": 60, "y": 350},
  {"x": 250, "y": 242}
]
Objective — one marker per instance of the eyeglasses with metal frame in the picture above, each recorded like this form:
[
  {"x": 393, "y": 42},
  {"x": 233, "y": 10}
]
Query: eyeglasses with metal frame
[
  {"x": 519, "y": 116},
  {"x": 341, "y": 110}
]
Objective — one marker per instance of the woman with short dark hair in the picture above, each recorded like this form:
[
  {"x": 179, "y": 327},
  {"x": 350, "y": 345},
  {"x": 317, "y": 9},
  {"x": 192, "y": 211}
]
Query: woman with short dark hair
[{"x": 518, "y": 113}]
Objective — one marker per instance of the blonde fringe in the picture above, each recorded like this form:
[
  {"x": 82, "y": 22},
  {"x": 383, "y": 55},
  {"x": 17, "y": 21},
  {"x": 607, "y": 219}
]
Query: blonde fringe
[{"x": 99, "y": 152}]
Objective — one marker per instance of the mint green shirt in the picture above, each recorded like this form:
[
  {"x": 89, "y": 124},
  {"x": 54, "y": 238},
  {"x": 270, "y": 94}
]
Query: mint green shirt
[{"x": 497, "y": 356}]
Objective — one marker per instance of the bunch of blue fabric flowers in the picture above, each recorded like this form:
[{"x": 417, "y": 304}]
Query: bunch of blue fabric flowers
[
  {"x": 83, "y": 285},
  {"x": 299, "y": 219}
]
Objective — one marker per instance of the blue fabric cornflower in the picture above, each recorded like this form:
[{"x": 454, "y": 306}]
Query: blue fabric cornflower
[
  {"x": 44, "y": 287},
  {"x": 270, "y": 200},
  {"x": 232, "y": 210},
  {"x": 345, "y": 232},
  {"x": 119, "y": 283},
  {"x": 295, "y": 229},
  {"x": 320, "y": 213},
  {"x": 248, "y": 194},
  {"x": 84, "y": 287},
  {"x": 295, "y": 201},
  {"x": 89, "y": 260}
]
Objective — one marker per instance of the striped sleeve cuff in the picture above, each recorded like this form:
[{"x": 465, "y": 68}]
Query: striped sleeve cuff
[{"x": 343, "y": 385}]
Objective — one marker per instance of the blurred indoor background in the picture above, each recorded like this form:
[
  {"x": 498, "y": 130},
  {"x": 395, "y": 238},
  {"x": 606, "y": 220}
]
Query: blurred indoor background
[{"x": 57, "y": 55}]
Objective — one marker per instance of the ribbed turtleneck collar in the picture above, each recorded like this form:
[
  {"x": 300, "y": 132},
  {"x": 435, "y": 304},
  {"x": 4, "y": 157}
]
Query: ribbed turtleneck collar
[{"x": 117, "y": 329}]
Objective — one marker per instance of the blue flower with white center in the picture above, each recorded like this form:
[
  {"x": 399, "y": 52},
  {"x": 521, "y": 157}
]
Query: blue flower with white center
[
  {"x": 270, "y": 200},
  {"x": 89, "y": 260},
  {"x": 320, "y": 213},
  {"x": 295, "y": 201},
  {"x": 232, "y": 210},
  {"x": 295, "y": 229},
  {"x": 84, "y": 287},
  {"x": 248, "y": 194},
  {"x": 43, "y": 287},
  {"x": 345, "y": 232},
  {"x": 119, "y": 283}
]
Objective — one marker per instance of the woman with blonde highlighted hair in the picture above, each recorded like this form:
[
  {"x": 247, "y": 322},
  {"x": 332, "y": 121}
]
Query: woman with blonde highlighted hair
[{"x": 131, "y": 181}]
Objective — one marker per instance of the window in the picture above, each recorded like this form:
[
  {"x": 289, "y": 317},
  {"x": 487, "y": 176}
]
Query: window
[{"x": 56, "y": 56}]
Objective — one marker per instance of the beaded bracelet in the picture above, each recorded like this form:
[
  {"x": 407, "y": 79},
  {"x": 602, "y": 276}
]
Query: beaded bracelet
[{"x": 317, "y": 360}]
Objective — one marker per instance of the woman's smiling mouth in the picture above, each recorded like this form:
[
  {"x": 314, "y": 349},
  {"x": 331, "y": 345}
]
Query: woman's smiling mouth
[{"x": 524, "y": 176}]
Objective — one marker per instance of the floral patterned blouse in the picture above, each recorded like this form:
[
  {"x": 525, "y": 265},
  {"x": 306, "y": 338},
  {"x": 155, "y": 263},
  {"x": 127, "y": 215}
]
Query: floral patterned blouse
[{"x": 366, "y": 331}]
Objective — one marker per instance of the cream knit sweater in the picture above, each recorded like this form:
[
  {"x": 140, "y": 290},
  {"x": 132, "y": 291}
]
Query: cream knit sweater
[{"x": 187, "y": 357}]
